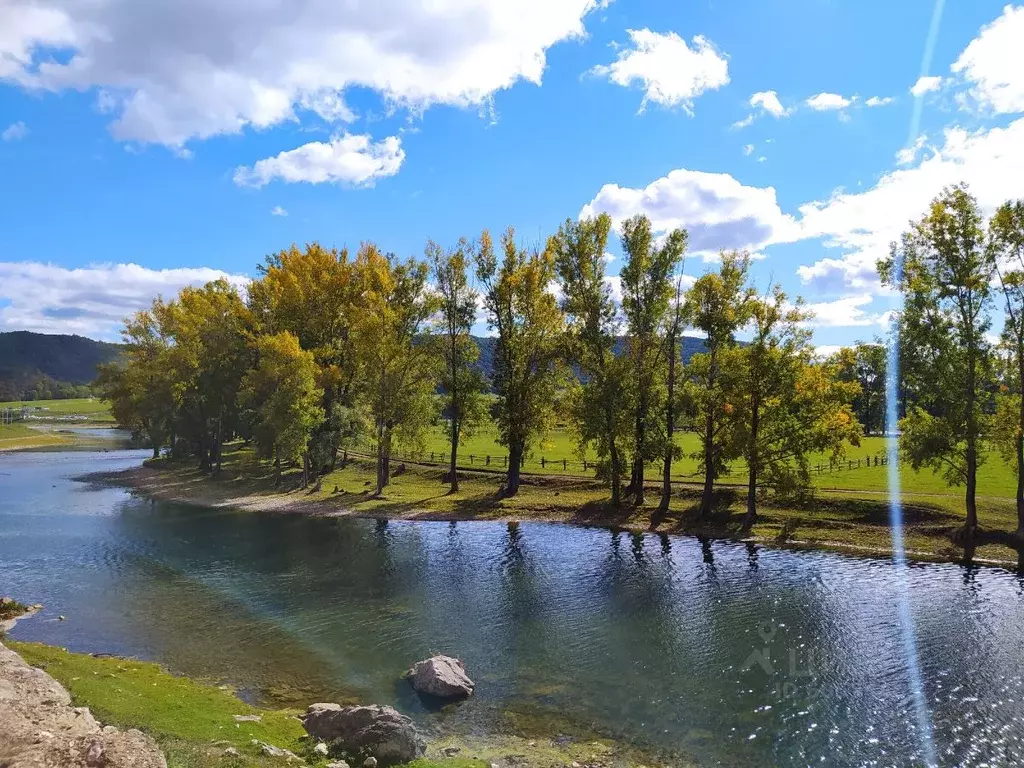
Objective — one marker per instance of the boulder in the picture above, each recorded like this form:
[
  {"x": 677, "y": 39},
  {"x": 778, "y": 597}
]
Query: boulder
[
  {"x": 442, "y": 677},
  {"x": 380, "y": 732}
]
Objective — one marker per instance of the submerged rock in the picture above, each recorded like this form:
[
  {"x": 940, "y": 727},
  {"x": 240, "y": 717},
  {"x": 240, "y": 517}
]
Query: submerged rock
[
  {"x": 441, "y": 676},
  {"x": 380, "y": 731}
]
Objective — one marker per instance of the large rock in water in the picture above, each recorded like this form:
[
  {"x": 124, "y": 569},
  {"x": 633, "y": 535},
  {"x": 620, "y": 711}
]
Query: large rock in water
[
  {"x": 382, "y": 732},
  {"x": 441, "y": 676}
]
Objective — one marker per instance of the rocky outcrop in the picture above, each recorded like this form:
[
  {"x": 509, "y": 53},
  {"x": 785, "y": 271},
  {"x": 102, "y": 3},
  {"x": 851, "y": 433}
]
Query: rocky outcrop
[
  {"x": 442, "y": 677},
  {"x": 40, "y": 729},
  {"x": 380, "y": 732}
]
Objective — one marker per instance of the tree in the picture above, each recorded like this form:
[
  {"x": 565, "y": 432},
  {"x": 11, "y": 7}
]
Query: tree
[
  {"x": 646, "y": 296},
  {"x": 282, "y": 391},
  {"x": 139, "y": 388},
  {"x": 718, "y": 304},
  {"x": 944, "y": 269},
  {"x": 529, "y": 325},
  {"x": 397, "y": 363},
  {"x": 1006, "y": 236},
  {"x": 461, "y": 383},
  {"x": 311, "y": 294},
  {"x": 673, "y": 332},
  {"x": 207, "y": 358},
  {"x": 865, "y": 364},
  {"x": 600, "y": 404},
  {"x": 788, "y": 407}
]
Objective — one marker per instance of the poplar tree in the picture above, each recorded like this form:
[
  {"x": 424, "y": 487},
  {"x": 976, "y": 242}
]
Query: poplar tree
[
  {"x": 528, "y": 323},
  {"x": 646, "y": 297}
]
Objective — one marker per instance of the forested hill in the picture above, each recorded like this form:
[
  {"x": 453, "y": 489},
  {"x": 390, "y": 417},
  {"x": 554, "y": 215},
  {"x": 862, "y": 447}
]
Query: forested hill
[
  {"x": 691, "y": 347},
  {"x": 41, "y": 366}
]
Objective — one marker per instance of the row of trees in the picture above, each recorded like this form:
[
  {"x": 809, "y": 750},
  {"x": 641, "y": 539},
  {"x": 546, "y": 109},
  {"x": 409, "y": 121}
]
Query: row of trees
[{"x": 327, "y": 349}]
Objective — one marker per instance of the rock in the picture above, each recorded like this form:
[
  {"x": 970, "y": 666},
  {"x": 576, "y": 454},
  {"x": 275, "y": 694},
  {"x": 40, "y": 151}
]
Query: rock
[
  {"x": 271, "y": 751},
  {"x": 385, "y": 734},
  {"x": 62, "y": 617},
  {"x": 337, "y": 764},
  {"x": 320, "y": 749},
  {"x": 248, "y": 718},
  {"x": 370, "y": 762},
  {"x": 449, "y": 751},
  {"x": 441, "y": 676},
  {"x": 231, "y": 751}
]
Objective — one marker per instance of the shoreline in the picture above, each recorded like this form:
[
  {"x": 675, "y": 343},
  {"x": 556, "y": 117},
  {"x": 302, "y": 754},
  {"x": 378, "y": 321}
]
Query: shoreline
[{"x": 181, "y": 485}]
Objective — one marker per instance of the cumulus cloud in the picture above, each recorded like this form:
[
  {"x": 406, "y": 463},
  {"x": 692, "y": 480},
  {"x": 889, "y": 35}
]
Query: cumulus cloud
[
  {"x": 879, "y": 101},
  {"x": 907, "y": 155},
  {"x": 671, "y": 73},
  {"x": 926, "y": 84},
  {"x": 348, "y": 159},
  {"x": 863, "y": 224},
  {"x": 175, "y": 70},
  {"x": 90, "y": 301},
  {"x": 277, "y": 210},
  {"x": 15, "y": 131},
  {"x": 993, "y": 63},
  {"x": 769, "y": 102},
  {"x": 718, "y": 211},
  {"x": 845, "y": 312},
  {"x": 824, "y": 102}
]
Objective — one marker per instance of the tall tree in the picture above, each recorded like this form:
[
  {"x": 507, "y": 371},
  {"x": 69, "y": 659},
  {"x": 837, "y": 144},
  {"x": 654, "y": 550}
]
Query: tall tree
[
  {"x": 461, "y": 383},
  {"x": 140, "y": 387},
  {"x": 1006, "y": 233},
  {"x": 646, "y": 297},
  {"x": 310, "y": 292},
  {"x": 944, "y": 269},
  {"x": 789, "y": 407},
  {"x": 864, "y": 364},
  {"x": 673, "y": 333},
  {"x": 600, "y": 405},
  {"x": 282, "y": 392},
  {"x": 719, "y": 304},
  {"x": 207, "y": 359},
  {"x": 529, "y": 325},
  {"x": 397, "y": 363}
]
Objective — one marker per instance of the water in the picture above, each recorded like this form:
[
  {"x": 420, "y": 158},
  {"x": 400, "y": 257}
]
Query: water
[{"x": 722, "y": 653}]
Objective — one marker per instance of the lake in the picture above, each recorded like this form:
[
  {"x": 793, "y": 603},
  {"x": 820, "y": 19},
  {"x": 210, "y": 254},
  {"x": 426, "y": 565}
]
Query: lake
[{"x": 719, "y": 653}]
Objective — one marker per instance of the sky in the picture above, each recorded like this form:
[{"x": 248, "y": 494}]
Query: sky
[{"x": 149, "y": 145}]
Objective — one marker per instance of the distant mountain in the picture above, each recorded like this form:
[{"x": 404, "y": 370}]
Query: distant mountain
[{"x": 41, "y": 366}]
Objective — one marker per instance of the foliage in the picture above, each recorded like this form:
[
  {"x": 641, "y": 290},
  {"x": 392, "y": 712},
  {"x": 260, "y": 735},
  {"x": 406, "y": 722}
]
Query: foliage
[
  {"x": 944, "y": 269},
  {"x": 647, "y": 292},
  {"x": 529, "y": 327},
  {"x": 865, "y": 365}
]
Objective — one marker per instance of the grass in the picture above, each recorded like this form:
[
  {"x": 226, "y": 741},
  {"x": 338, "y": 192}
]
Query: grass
[
  {"x": 194, "y": 722},
  {"x": 17, "y": 436},
  {"x": 86, "y": 409},
  {"x": 854, "y": 517}
]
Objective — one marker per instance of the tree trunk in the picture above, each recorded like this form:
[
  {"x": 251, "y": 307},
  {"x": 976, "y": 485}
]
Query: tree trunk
[
  {"x": 613, "y": 455},
  {"x": 156, "y": 451},
  {"x": 454, "y": 476},
  {"x": 670, "y": 425},
  {"x": 753, "y": 464},
  {"x": 972, "y": 485},
  {"x": 1020, "y": 442},
  {"x": 638, "y": 460},
  {"x": 383, "y": 457},
  {"x": 515, "y": 460},
  {"x": 706, "y": 500},
  {"x": 277, "y": 467}
]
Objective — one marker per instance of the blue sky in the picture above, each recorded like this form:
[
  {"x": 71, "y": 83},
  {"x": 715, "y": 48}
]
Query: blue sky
[{"x": 149, "y": 145}]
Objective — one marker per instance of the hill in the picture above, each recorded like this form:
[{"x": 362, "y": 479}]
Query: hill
[{"x": 40, "y": 366}]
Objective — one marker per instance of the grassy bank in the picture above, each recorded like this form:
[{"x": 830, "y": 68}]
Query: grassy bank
[
  {"x": 194, "y": 722},
  {"x": 17, "y": 437},
  {"x": 854, "y": 518},
  {"x": 83, "y": 410}
]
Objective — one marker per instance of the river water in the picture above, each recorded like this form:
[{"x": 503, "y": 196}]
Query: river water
[{"x": 716, "y": 653}]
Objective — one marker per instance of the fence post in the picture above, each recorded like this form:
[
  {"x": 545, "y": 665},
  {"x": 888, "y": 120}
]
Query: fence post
[
  {"x": 471, "y": 458},
  {"x": 565, "y": 465},
  {"x": 543, "y": 463},
  {"x": 504, "y": 461},
  {"x": 488, "y": 460}
]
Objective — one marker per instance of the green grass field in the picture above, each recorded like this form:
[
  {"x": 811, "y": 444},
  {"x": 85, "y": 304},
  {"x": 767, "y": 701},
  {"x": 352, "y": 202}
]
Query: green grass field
[
  {"x": 78, "y": 409},
  {"x": 18, "y": 436}
]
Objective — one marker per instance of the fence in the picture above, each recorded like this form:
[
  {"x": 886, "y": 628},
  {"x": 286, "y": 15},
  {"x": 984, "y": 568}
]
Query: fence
[{"x": 10, "y": 415}]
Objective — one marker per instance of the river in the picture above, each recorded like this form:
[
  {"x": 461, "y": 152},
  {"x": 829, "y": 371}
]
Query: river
[{"x": 719, "y": 653}]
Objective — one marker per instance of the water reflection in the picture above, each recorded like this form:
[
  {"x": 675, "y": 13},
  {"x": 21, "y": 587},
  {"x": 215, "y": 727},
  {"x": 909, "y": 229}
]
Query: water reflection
[{"x": 727, "y": 653}]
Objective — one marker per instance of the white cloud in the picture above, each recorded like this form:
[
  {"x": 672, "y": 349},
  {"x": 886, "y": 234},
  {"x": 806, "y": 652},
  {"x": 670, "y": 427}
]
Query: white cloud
[
  {"x": 879, "y": 101},
  {"x": 91, "y": 301},
  {"x": 907, "y": 155},
  {"x": 845, "y": 312},
  {"x": 926, "y": 84},
  {"x": 748, "y": 149},
  {"x": 993, "y": 63},
  {"x": 277, "y": 210},
  {"x": 824, "y": 102},
  {"x": 175, "y": 70},
  {"x": 672, "y": 73},
  {"x": 769, "y": 102},
  {"x": 744, "y": 122},
  {"x": 825, "y": 351},
  {"x": 718, "y": 211},
  {"x": 863, "y": 224},
  {"x": 15, "y": 131},
  {"x": 348, "y": 159}
]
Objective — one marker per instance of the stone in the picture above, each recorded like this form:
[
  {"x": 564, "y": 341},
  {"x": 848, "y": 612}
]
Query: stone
[
  {"x": 379, "y": 731},
  {"x": 370, "y": 762},
  {"x": 320, "y": 749},
  {"x": 337, "y": 764},
  {"x": 441, "y": 676},
  {"x": 270, "y": 750},
  {"x": 449, "y": 751},
  {"x": 231, "y": 751},
  {"x": 248, "y": 718}
]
